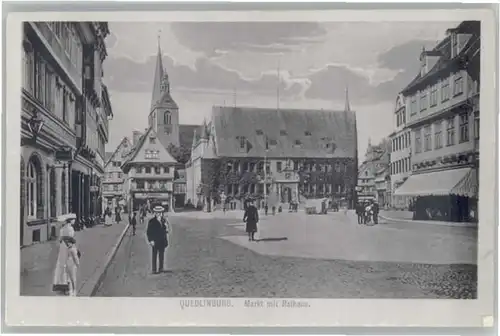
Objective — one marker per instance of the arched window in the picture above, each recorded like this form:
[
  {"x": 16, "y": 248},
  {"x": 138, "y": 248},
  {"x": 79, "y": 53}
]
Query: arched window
[
  {"x": 63, "y": 193},
  {"x": 34, "y": 190},
  {"x": 167, "y": 118}
]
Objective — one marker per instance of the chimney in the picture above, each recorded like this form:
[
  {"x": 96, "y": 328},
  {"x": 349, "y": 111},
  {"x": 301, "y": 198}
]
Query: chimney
[{"x": 135, "y": 137}]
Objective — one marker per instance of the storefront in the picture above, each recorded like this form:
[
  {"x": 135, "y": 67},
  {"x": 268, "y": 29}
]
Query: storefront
[{"x": 446, "y": 195}]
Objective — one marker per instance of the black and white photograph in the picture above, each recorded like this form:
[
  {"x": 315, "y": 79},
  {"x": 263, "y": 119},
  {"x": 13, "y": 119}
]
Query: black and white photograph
[{"x": 251, "y": 164}]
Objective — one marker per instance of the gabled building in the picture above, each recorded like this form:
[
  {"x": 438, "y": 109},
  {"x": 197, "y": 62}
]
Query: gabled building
[
  {"x": 443, "y": 117},
  {"x": 150, "y": 172},
  {"x": 262, "y": 153},
  {"x": 400, "y": 165},
  {"x": 373, "y": 173},
  {"x": 114, "y": 188}
]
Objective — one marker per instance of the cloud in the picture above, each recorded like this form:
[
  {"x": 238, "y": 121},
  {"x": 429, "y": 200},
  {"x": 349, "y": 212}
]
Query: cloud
[
  {"x": 400, "y": 64},
  {"x": 214, "y": 37},
  {"x": 124, "y": 74}
]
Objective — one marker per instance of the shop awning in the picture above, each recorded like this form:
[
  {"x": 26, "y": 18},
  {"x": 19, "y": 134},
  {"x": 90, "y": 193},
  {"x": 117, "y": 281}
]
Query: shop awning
[{"x": 460, "y": 182}]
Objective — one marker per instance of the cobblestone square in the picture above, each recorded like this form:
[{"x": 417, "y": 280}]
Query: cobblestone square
[{"x": 213, "y": 258}]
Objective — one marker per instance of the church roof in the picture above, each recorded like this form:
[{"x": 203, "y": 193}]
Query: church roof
[
  {"x": 292, "y": 133},
  {"x": 156, "y": 96},
  {"x": 166, "y": 101}
]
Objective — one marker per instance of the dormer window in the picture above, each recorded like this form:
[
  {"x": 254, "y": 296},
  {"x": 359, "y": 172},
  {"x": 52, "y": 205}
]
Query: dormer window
[
  {"x": 307, "y": 133},
  {"x": 242, "y": 141},
  {"x": 259, "y": 132},
  {"x": 298, "y": 143},
  {"x": 283, "y": 133},
  {"x": 152, "y": 140}
]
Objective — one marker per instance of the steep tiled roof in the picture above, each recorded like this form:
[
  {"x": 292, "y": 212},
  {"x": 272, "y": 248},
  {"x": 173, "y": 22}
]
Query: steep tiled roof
[
  {"x": 444, "y": 49},
  {"x": 312, "y": 129},
  {"x": 133, "y": 153},
  {"x": 186, "y": 133},
  {"x": 110, "y": 155}
]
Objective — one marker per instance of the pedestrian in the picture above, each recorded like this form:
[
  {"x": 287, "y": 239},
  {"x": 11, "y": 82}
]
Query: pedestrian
[
  {"x": 251, "y": 218},
  {"x": 65, "y": 272},
  {"x": 375, "y": 210},
  {"x": 133, "y": 221},
  {"x": 266, "y": 209},
  {"x": 274, "y": 210},
  {"x": 157, "y": 238},
  {"x": 359, "y": 212},
  {"x": 118, "y": 217}
]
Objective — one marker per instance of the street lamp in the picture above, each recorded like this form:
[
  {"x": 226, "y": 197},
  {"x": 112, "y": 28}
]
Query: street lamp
[{"x": 35, "y": 125}]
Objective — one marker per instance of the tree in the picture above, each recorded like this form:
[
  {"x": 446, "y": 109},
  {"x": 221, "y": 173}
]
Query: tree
[{"x": 181, "y": 154}]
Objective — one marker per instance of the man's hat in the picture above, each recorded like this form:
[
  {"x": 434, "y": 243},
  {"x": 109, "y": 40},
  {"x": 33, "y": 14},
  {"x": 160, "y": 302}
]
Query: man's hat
[{"x": 158, "y": 208}]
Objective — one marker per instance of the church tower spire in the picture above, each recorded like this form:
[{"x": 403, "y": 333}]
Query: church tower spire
[
  {"x": 158, "y": 77},
  {"x": 347, "y": 107}
]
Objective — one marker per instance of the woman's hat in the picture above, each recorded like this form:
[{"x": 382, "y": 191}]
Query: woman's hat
[{"x": 158, "y": 208}]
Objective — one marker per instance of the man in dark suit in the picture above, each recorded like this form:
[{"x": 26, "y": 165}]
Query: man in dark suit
[
  {"x": 251, "y": 218},
  {"x": 157, "y": 238}
]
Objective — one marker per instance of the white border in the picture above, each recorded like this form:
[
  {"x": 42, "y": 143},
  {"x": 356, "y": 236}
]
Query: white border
[{"x": 49, "y": 311}]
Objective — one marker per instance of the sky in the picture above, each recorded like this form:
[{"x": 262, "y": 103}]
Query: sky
[{"x": 244, "y": 63}]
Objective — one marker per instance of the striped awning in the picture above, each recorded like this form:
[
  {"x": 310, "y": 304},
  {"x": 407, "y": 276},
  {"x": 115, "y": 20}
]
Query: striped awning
[{"x": 460, "y": 182}]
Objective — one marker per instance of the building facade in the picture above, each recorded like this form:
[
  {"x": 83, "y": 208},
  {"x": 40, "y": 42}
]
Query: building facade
[
  {"x": 55, "y": 176},
  {"x": 150, "y": 173},
  {"x": 114, "y": 186},
  {"x": 400, "y": 165},
  {"x": 443, "y": 116},
  {"x": 373, "y": 174},
  {"x": 279, "y": 156}
]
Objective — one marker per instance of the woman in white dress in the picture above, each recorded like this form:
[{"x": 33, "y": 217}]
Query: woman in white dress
[{"x": 64, "y": 282}]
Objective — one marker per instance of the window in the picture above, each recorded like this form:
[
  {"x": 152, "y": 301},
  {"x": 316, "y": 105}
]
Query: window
[
  {"x": 40, "y": 78},
  {"x": 120, "y": 175},
  {"x": 298, "y": 143},
  {"x": 476, "y": 125},
  {"x": 413, "y": 105},
  {"x": 157, "y": 170},
  {"x": 148, "y": 170},
  {"x": 167, "y": 118},
  {"x": 52, "y": 192},
  {"x": 152, "y": 140},
  {"x": 445, "y": 90},
  {"x": 116, "y": 187},
  {"x": 418, "y": 141},
  {"x": 454, "y": 45},
  {"x": 464, "y": 127},
  {"x": 434, "y": 94},
  {"x": 64, "y": 105},
  {"x": 438, "y": 135},
  {"x": 33, "y": 188},
  {"x": 283, "y": 133},
  {"x": 28, "y": 68},
  {"x": 307, "y": 133},
  {"x": 450, "y": 131},
  {"x": 243, "y": 143},
  {"x": 166, "y": 170},
  {"x": 423, "y": 100},
  {"x": 139, "y": 184},
  {"x": 337, "y": 167},
  {"x": 458, "y": 85},
  {"x": 259, "y": 132},
  {"x": 278, "y": 166}
]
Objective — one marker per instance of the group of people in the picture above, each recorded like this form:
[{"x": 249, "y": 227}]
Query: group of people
[
  {"x": 367, "y": 212},
  {"x": 108, "y": 216}
]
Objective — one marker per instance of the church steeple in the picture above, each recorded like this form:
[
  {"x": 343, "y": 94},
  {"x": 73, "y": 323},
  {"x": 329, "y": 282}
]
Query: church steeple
[{"x": 158, "y": 78}]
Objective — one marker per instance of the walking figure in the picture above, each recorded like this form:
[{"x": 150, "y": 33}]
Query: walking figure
[
  {"x": 251, "y": 218},
  {"x": 133, "y": 222},
  {"x": 157, "y": 238},
  {"x": 68, "y": 259},
  {"x": 118, "y": 217}
]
